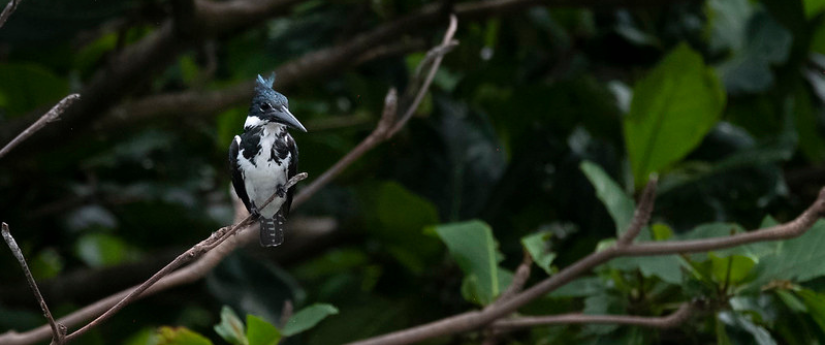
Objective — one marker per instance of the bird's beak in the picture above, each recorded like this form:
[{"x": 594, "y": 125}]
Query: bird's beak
[{"x": 286, "y": 117}]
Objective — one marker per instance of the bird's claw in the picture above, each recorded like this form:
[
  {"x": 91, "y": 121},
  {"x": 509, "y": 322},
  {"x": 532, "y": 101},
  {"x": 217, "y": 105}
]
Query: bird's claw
[
  {"x": 281, "y": 191},
  {"x": 254, "y": 212}
]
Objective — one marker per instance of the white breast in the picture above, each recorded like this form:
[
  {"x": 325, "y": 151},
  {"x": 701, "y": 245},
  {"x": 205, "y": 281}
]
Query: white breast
[{"x": 263, "y": 178}]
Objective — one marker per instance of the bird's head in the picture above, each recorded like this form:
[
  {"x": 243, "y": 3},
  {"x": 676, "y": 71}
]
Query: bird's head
[{"x": 269, "y": 106}]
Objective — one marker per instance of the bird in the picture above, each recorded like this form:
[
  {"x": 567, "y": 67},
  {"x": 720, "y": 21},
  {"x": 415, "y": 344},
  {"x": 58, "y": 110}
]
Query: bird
[{"x": 263, "y": 158}]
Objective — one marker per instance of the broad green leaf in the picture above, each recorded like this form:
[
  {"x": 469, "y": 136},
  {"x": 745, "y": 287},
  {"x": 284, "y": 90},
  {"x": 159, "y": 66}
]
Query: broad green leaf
[
  {"x": 798, "y": 259},
  {"x": 231, "y": 327},
  {"x": 791, "y": 301},
  {"x": 402, "y": 232},
  {"x": 538, "y": 246},
  {"x": 761, "y": 336},
  {"x": 307, "y": 318},
  {"x": 603, "y": 304},
  {"x": 806, "y": 120},
  {"x": 472, "y": 246},
  {"x": 731, "y": 269},
  {"x": 260, "y": 332},
  {"x": 673, "y": 108},
  {"x": 618, "y": 203},
  {"x": 180, "y": 336},
  {"x": 815, "y": 303},
  {"x": 581, "y": 287}
]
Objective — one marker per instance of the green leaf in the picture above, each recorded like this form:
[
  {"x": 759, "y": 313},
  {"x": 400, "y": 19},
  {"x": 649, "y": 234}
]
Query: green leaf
[
  {"x": 761, "y": 336},
  {"x": 537, "y": 245},
  {"x": 813, "y": 7},
  {"x": 738, "y": 266},
  {"x": 402, "y": 232},
  {"x": 582, "y": 287},
  {"x": 806, "y": 120},
  {"x": 260, "y": 332},
  {"x": 815, "y": 303},
  {"x": 618, "y": 203},
  {"x": 98, "y": 250},
  {"x": 307, "y": 318},
  {"x": 673, "y": 108},
  {"x": 799, "y": 259},
  {"x": 231, "y": 327},
  {"x": 791, "y": 301},
  {"x": 472, "y": 246},
  {"x": 721, "y": 334},
  {"x": 180, "y": 336}
]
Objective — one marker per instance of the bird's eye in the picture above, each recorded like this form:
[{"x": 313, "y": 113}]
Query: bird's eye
[{"x": 265, "y": 106}]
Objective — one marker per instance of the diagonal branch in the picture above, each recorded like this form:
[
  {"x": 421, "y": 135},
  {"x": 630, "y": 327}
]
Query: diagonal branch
[
  {"x": 197, "y": 251},
  {"x": 49, "y": 117},
  {"x": 58, "y": 330},
  {"x": 8, "y": 10}
]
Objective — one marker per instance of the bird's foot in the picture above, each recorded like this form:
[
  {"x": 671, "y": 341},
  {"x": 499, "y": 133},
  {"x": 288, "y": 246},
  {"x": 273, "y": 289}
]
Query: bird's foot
[
  {"x": 281, "y": 191},
  {"x": 254, "y": 212}
]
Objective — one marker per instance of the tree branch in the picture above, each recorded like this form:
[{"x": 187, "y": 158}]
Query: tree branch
[
  {"x": 8, "y": 10},
  {"x": 662, "y": 322},
  {"x": 50, "y": 116},
  {"x": 58, "y": 330}
]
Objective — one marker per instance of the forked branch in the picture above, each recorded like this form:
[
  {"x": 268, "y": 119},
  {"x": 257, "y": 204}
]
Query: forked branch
[{"x": 477, "y": 319}]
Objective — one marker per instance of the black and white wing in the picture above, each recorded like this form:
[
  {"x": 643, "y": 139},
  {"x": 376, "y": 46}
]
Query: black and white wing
[{"x": 237, "y": 174}]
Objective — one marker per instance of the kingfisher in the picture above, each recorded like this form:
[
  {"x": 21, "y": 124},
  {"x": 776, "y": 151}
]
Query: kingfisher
[{"x": 263, "y": 158}]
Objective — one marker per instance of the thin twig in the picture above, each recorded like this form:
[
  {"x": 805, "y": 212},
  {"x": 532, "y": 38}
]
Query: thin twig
[
  {"x": 58, "y": 330},
  {"x": 437, "y": 55},
  {"x": 50, "y": 116},
  {"x": 378, "y": 135},
  {"x": 198, "y": 250},
  {"x": 10, "y": 7},
  {"x": 642, "y": 214},
  {"x": 662, "y": 322},
  {"x": 519, "y": 278}
]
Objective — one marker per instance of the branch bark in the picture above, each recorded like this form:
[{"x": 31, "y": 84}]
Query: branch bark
[
  {"x": 8, "y": 10},
  {"x": 685, "y": 311},
  {"x": 49, "y": 117},
  {"x": 58, "y": 330}
]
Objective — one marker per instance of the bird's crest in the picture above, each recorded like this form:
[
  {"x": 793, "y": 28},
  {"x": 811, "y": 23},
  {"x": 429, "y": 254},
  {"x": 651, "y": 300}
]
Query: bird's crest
[{"x": 265, "y": 83}]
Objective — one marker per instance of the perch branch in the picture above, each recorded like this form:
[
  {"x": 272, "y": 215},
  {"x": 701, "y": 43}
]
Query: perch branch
[
  {"x": 198, "y": 250},
  {"x": 50, "y": 116},
  {"x": 58, "y": 330}
]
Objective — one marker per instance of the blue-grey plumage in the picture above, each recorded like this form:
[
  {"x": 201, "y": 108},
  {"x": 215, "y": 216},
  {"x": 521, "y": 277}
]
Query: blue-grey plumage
[{"x": 263, "y": 158}]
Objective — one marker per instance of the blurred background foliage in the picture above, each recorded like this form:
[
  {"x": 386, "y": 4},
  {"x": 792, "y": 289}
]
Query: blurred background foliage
[{"x": 539, "y": 129}]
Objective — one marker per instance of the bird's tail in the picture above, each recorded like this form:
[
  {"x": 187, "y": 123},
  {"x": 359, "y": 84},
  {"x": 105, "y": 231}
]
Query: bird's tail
[{"x": 272, "y": 230}]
